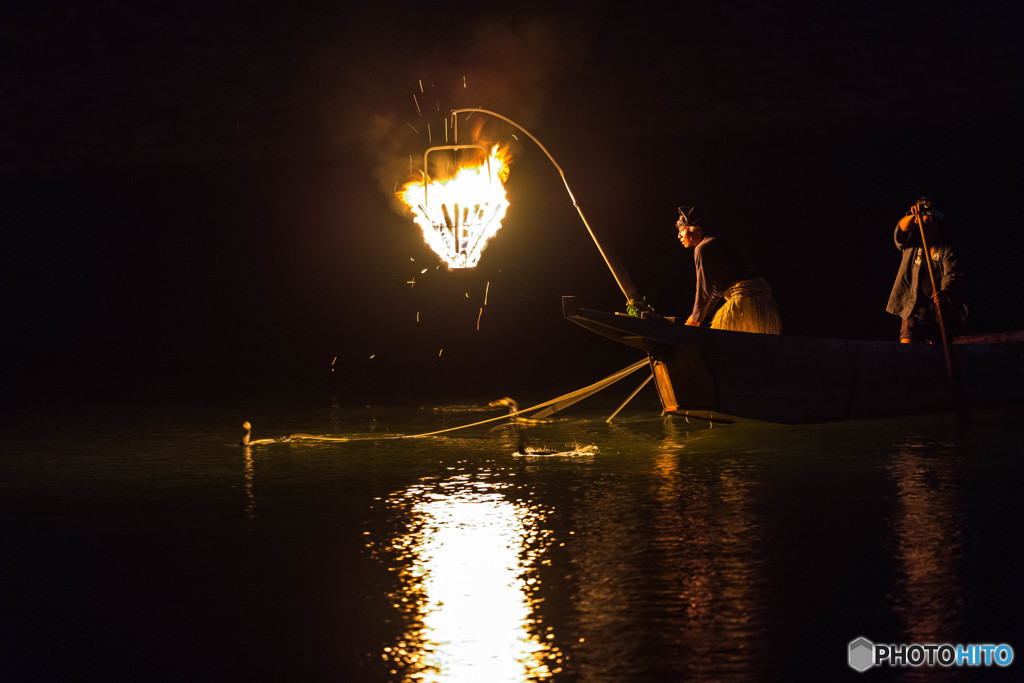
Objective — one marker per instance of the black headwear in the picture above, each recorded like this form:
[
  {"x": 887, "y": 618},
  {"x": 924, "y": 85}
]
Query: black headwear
[{"x": 687, "y": 217}]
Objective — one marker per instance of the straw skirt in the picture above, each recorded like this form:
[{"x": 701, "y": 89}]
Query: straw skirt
[{"x": 749, "y": 307}]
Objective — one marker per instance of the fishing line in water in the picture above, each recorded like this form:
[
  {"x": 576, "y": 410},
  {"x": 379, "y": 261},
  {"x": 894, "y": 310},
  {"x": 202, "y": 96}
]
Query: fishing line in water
[{"x": 547, "y": 407}]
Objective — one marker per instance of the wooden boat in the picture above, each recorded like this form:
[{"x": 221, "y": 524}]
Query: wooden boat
[{"x": 799, "y": 380}]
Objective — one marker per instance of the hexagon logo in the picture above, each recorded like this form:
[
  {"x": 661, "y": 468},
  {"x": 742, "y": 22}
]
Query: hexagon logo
[{"x": 861, "y": 654}]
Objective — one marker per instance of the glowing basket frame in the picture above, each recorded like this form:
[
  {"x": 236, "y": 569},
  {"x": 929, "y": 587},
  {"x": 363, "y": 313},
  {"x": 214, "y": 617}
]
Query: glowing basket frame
[{"x": 457, "y": 226}]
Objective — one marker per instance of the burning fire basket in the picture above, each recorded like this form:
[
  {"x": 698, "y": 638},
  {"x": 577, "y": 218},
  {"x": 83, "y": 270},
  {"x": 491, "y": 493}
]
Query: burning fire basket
[
  {"x": 472, "y": 203},
  {"x": 463, "y": 216}
]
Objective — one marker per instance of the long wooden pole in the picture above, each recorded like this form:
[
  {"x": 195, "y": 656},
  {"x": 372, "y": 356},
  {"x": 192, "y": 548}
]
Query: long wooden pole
[
  {"x": 610, "y": 259},
  {"x": 635, "y": 392},
  {"x": 959, "y": 398}
]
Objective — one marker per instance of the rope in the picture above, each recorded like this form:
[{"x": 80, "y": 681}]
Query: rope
[{"x": 552, "y": 406}]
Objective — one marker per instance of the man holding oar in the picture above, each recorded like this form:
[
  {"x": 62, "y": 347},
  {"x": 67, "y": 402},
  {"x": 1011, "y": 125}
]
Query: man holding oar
[{"x": 917, "y": 294}]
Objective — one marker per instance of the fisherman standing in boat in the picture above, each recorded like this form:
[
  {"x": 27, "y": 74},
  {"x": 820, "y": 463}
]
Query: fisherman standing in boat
[
  {"x": 913, "y": 298},
  {"x": 724, "y": 272}
]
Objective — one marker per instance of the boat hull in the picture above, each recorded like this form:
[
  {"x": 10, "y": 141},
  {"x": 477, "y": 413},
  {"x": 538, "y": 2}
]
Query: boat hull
[{"x": 798, "y": 380}]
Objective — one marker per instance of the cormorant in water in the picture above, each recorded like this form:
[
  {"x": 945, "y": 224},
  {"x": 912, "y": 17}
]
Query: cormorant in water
[
  {"x": 513, "y": 407},
  {"x": 247, "y": 439}
]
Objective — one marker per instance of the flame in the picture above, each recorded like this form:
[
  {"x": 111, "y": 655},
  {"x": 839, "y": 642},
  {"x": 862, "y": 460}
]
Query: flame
[{"x": 460, "y": 213}]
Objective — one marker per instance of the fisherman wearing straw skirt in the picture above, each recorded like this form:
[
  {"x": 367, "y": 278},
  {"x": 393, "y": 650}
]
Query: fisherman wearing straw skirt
[{"x": 725, "y": 273}]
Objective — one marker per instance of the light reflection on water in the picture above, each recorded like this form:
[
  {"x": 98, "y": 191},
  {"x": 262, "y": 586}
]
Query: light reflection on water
[
  {"x": 249, "y": 476},
  {"x": 927, "y": 546},
  {"x": 713, "y": 538},
  {"x": 668, "y": 576},
  {"x": 679, "y": 551},
  {"x": 676, "y": 560},
  {"x": 465, "y": 565}
]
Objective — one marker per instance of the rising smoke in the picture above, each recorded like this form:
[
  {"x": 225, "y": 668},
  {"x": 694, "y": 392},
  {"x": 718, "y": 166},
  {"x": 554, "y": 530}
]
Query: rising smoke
[{"x": 393, "y": 113}]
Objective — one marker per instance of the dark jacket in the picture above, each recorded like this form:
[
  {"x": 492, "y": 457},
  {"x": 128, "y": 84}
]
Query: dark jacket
[
  {"x": 913, "y": 271},
  {"x": 719, "y": 265}
]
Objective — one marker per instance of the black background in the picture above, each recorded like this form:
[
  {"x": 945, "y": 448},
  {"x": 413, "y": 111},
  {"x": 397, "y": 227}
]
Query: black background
[{"x": 197, "y": 199}]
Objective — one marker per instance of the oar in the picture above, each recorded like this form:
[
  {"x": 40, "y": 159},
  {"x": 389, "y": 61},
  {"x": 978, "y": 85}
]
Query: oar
[{"x": 959, "y": 398}]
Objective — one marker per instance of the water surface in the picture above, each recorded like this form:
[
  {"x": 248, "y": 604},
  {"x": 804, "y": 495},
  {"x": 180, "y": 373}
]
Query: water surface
[{"x": 143, "y": 543}]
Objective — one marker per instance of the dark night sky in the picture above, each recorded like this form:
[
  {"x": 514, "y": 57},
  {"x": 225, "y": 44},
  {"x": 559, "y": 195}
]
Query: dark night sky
[{"x": 197, "y": 194}]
